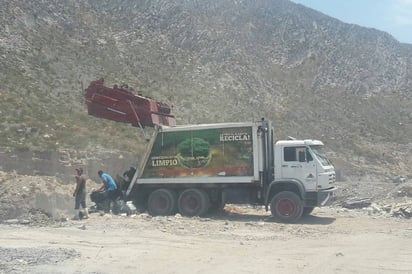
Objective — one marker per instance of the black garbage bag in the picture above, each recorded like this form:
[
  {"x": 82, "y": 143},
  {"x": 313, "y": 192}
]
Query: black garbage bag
[{"x": 98, "y": 197}]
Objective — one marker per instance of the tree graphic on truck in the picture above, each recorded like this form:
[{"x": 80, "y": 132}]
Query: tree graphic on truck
[{"x": 194, "y": 152}]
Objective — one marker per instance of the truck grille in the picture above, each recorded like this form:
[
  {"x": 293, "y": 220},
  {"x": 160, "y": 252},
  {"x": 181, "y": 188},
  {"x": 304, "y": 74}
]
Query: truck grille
[{"x": 332, "y": 178}]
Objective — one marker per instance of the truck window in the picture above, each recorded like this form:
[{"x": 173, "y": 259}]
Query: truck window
[
  {"x": 291, "y": 154},
  {"x": 308, "y": 156},
  {"x": 320, "y": 154}
]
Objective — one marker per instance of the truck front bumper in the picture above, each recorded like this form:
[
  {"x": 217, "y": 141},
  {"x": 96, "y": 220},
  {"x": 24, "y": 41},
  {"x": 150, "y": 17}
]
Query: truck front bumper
[{"x": 326, "y": 196}]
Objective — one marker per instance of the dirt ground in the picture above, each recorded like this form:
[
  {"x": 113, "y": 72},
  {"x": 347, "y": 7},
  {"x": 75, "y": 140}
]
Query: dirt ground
[
  {"x": 248, "y": 241},
  {"x": 38, "y": 236}
]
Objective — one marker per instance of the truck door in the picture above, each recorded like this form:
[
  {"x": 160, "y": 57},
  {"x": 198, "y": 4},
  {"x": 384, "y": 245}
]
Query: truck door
[{"x": 297, "y": 163}]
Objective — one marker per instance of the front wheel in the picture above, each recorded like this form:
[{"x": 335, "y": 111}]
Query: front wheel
[{"x": 286, "y": 206}]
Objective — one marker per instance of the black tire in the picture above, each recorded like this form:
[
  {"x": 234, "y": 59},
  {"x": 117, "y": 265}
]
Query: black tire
[
  {"x": 161, "y": 202},
  {"x": 286, "y": 207},
  {"x": 193, "y": 202},
  {"x": 307, "y": 210}
]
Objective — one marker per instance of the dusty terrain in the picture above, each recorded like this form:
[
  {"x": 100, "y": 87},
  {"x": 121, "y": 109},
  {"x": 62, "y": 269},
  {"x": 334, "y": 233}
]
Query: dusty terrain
[
  {"x": 38, "y": 236},
  {"x": 331, "y": 241}
]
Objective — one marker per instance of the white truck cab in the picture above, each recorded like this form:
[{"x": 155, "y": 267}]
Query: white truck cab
[{"x": 306, "y": 162}]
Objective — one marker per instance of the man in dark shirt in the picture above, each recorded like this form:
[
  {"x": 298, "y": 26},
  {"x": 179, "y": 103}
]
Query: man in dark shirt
[{"x": 80, "y": 195}]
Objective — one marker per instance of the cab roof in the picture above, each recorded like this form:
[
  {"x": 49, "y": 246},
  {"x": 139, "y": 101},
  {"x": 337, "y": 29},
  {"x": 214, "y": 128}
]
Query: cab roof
[{"x": 306, "y": 142}]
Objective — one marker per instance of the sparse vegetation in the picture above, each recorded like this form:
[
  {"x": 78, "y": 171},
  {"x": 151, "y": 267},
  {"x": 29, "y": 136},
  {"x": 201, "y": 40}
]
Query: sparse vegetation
[{"x": 214, "y": 61}]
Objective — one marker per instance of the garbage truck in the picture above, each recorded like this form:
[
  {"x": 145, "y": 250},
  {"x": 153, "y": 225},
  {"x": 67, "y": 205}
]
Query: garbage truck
[{"x": 197, "y": 169}]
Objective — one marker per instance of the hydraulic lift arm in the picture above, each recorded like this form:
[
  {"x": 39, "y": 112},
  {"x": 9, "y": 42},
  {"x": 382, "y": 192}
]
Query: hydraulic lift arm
[{"x": 121, "y": 104}]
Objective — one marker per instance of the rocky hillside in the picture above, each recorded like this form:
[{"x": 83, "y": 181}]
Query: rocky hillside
[{"x": 215, "y": 61}]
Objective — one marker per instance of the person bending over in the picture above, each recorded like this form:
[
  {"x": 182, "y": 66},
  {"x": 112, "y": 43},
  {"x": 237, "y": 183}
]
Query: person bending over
[{"x": 109, "y": 187}]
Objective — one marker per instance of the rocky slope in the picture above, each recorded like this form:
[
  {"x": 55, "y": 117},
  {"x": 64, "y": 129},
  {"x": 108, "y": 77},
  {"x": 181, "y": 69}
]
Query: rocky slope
[{"x": 215, "y": 61}]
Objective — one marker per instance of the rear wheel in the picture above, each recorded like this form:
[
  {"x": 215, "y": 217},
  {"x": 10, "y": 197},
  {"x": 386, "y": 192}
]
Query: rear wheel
[
  {"x": 161, "y": 202},
  {"x": 193, "y": 202},
  {"x": 286, "y": 206}
]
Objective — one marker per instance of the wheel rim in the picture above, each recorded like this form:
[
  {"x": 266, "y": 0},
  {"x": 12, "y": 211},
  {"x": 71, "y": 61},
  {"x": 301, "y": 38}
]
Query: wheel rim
[
  {"x": 161, "y": 203},
  {"x": 191, "y": 204},
  {"x": 286, "y": 207}
]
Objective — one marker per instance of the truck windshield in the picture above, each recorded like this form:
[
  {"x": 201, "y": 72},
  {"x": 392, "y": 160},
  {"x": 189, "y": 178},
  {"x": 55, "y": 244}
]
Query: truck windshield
[{"x": 320, "y": 154}]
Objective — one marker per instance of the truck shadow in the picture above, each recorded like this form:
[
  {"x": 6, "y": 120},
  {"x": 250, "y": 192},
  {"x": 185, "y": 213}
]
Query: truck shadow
[
  {"x": 248, "y": 217},
  {"x": 316, "y": 220}
]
